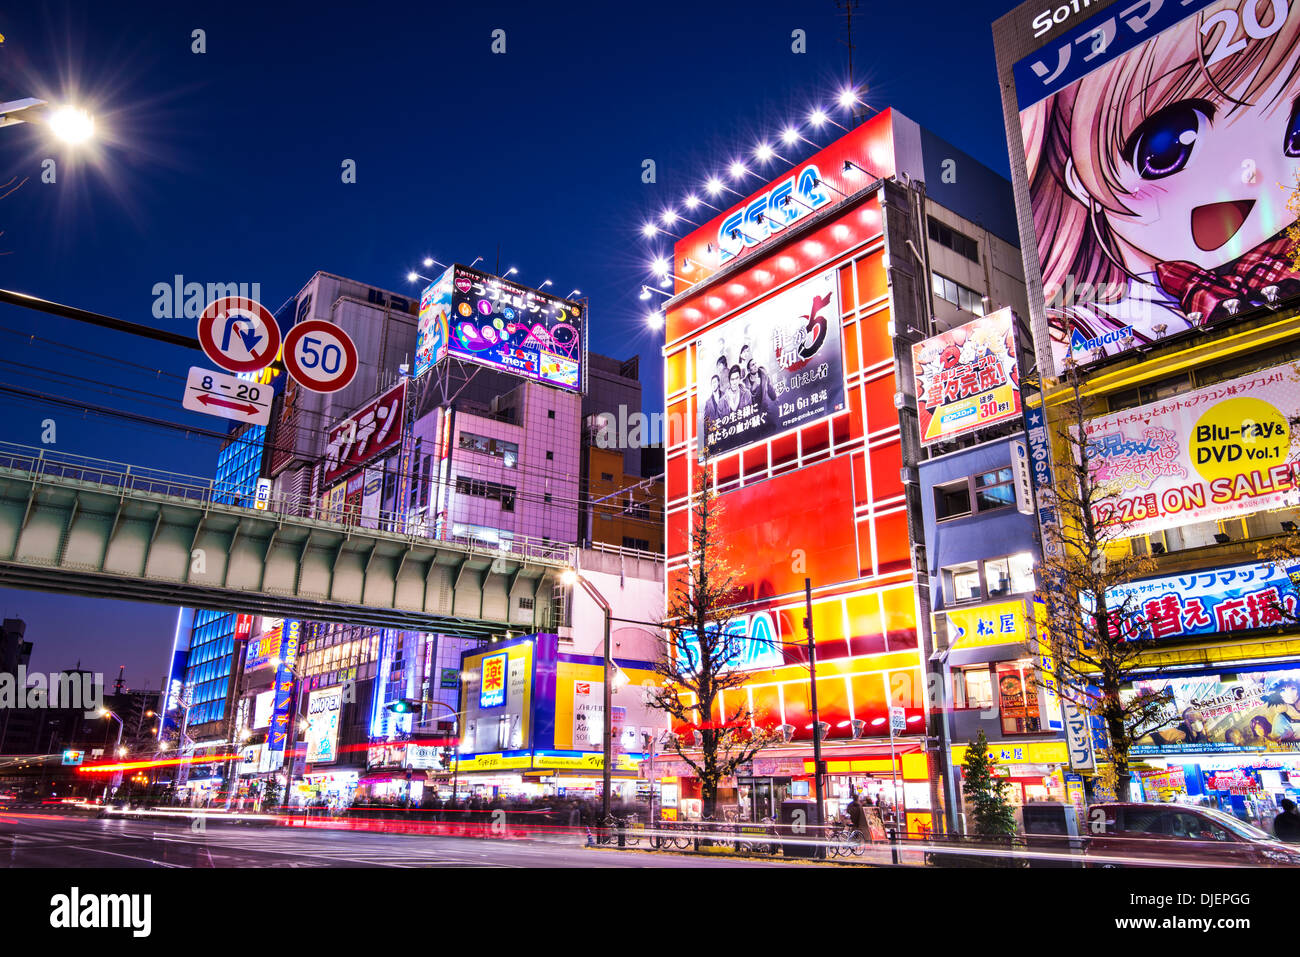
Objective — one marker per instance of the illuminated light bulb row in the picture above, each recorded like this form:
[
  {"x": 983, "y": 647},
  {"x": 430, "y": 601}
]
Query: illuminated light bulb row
[{"x": 714, "y": 186}]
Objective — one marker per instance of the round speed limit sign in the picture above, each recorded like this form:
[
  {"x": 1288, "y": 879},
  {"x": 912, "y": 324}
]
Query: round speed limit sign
[{"x": 319, "y": 356}]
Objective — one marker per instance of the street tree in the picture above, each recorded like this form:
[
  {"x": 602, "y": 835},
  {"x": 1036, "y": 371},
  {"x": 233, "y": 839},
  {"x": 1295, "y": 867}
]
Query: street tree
[
  {"x": 988, "y": 797},
  {"x": 1095, "y": 634},
  {"x": 701, "y": 656}
]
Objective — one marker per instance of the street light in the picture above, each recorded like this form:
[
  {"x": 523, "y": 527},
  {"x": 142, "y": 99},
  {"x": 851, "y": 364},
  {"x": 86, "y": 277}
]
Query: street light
[
  {"x": 571, "y": 576},
  {"x": 69, "y": 123},
  {"x": 105, "y": 713}
]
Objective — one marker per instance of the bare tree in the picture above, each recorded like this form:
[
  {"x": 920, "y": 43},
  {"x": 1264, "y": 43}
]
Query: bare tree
[
  {"x": 1093, "y": 644},
  {"x": 700, "y": 657}
]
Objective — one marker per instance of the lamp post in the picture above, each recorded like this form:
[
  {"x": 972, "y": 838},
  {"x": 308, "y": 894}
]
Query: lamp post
[
  {"x": 105, "y": 713},
  {"x": 572, "y": 577}
]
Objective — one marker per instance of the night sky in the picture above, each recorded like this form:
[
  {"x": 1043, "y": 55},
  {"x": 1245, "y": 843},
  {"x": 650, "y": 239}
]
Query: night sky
[{"x": 226, "y": 167}]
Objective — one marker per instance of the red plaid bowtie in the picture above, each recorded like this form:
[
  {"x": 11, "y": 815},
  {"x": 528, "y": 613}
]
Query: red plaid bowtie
[{"x": 1205, "y": 290}]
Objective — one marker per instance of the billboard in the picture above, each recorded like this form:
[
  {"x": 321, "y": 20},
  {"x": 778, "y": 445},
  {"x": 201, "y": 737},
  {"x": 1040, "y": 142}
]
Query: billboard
[
  {"x": 324, "y": 706},
  {"x": 967, "y": 378},
  {"x": 432, "y": 323},
  {"x": 503, "y": 325},
  {"x": 263, "y": 706},
  {"x": 1242, "y": 711},
  {"x": 771, "y": 368},
  {"x": 1221, "y": 451},
  {"x": 266, "y": 646},
  {"x": 361, "y": 438},
  {"x": 1236, "y": 598},
  {"x": 1155, "y": 138}
]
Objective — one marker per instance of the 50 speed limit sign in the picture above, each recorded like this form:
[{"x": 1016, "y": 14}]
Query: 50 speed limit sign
[{"x": 320, "y": 356}]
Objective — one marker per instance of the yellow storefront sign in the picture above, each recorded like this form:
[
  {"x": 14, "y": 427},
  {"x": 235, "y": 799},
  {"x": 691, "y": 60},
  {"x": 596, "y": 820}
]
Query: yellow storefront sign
[
  {"x": 1027, "y": 752},
  {"x": 494, "y": 762},
  {"x": 583, "y": 762},
  {"x": 998, "y": 624}
]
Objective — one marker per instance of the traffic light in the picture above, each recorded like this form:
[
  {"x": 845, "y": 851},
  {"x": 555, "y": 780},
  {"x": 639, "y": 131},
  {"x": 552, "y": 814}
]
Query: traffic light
[{"x": 405, "y": 706}]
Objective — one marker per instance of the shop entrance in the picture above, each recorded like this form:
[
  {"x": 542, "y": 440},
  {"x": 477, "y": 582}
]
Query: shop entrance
[{"x": 761, "y": 797}]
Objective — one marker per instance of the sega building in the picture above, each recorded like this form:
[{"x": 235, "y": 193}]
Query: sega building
[
  {"x": 1163, "y": 272},
  {"x": 819, "y": 283}
]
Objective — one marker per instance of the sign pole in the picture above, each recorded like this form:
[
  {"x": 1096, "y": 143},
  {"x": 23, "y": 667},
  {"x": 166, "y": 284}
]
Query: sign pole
[{"x": 817, "y": 730}]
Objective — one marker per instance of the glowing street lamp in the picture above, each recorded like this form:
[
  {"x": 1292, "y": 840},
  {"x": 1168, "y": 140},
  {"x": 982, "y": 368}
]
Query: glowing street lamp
[{"x": 68, "y": 123}]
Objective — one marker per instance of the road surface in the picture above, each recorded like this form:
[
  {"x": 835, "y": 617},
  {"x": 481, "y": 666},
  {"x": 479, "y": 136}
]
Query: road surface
[{"x": 44, "y": 840}]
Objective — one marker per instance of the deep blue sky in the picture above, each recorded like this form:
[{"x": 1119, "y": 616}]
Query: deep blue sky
[{"x": 225, "y": 167}]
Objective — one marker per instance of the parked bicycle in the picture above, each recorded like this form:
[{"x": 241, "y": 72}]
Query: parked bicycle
[{"x": 845, "y": 841}]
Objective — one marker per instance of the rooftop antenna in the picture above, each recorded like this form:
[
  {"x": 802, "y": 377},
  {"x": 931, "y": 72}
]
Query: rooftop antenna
[
  {"x": 848, "y": 8},
  {"x": 121, "y": 680}
]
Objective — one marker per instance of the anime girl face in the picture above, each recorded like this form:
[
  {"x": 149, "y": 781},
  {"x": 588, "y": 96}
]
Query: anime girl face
[{"x": 1161, "y": 176}]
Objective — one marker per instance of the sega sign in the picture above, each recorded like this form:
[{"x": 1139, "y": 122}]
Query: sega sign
[
  {"x": 758, "y": 647},
  {"x": 770, "y": 212}
]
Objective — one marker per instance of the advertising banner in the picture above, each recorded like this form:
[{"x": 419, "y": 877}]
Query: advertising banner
[
  {"x": 505, "y": 326},
  {"x": 967, "y": 378},
  {"x": 771, "y": 368},
  {"x": 1242, "y": 711},
  {"x": 1140, "y": 233},
  {"x": 263, "y": 708},
  {"x": 433, "y": 322},
  {"x": 1222, "y": 451},
  {"x": 372, "y": 493},
  {"x": 266, "y": 646},
  {"x": 324, "y": 706},
  {"x": 364, "y": 436},
  {"x": 1236, "y": 598}
]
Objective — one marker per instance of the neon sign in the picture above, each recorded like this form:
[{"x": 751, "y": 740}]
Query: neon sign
[
  {"x": 492, "y": 693},
  {"x": 770, "y": 212}
]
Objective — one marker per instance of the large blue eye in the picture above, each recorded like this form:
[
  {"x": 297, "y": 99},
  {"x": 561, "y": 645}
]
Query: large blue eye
[
  {"x": 1163, "y": 144},
  {"x": 1291, "y": 139}
]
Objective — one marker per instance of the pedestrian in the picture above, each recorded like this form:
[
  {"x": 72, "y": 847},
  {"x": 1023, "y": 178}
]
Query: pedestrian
[
  {"x": 1286, "y": 826},
  {"x": 854, "y": 811}
]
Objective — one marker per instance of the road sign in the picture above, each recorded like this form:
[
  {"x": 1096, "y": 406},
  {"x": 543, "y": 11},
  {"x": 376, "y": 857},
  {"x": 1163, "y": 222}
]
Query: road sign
[
  {"x": 239, "y": 335},
  {"x": 227, "y": 396},
  {"x": 320, "y": 356},
  {"x": 897, "y": 720}
]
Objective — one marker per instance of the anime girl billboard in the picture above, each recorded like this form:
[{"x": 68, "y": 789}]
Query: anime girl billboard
[{"x": 1161, "y": 139}]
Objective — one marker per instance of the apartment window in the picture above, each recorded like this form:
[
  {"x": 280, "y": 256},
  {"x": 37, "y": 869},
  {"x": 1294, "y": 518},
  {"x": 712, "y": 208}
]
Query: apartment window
[
  {"x": 607, "y": 476},
  {"x": 958, "y": 242},
  {"x": 974, "y": 687},
  {"x": 550, "y": 413},
  {"x": 994, "y": 489},
  {"x": 953, "y": 499},
  {"x": 962, "y": 582},
  {"x": 963, "y": 297},
  {"x": 505, "y": 494},
  {"x": 1011, "y": 575},
  {"x": 507, "y": 452},
  {"x": 550, "y": 456},
  {"x": 525, "y": 603},
  {"x": 641, "y": 544},
  {"x": 546, "y": 497}
]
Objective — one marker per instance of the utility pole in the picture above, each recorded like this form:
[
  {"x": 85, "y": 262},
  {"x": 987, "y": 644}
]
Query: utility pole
[{"x": 817, "y": 726}]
